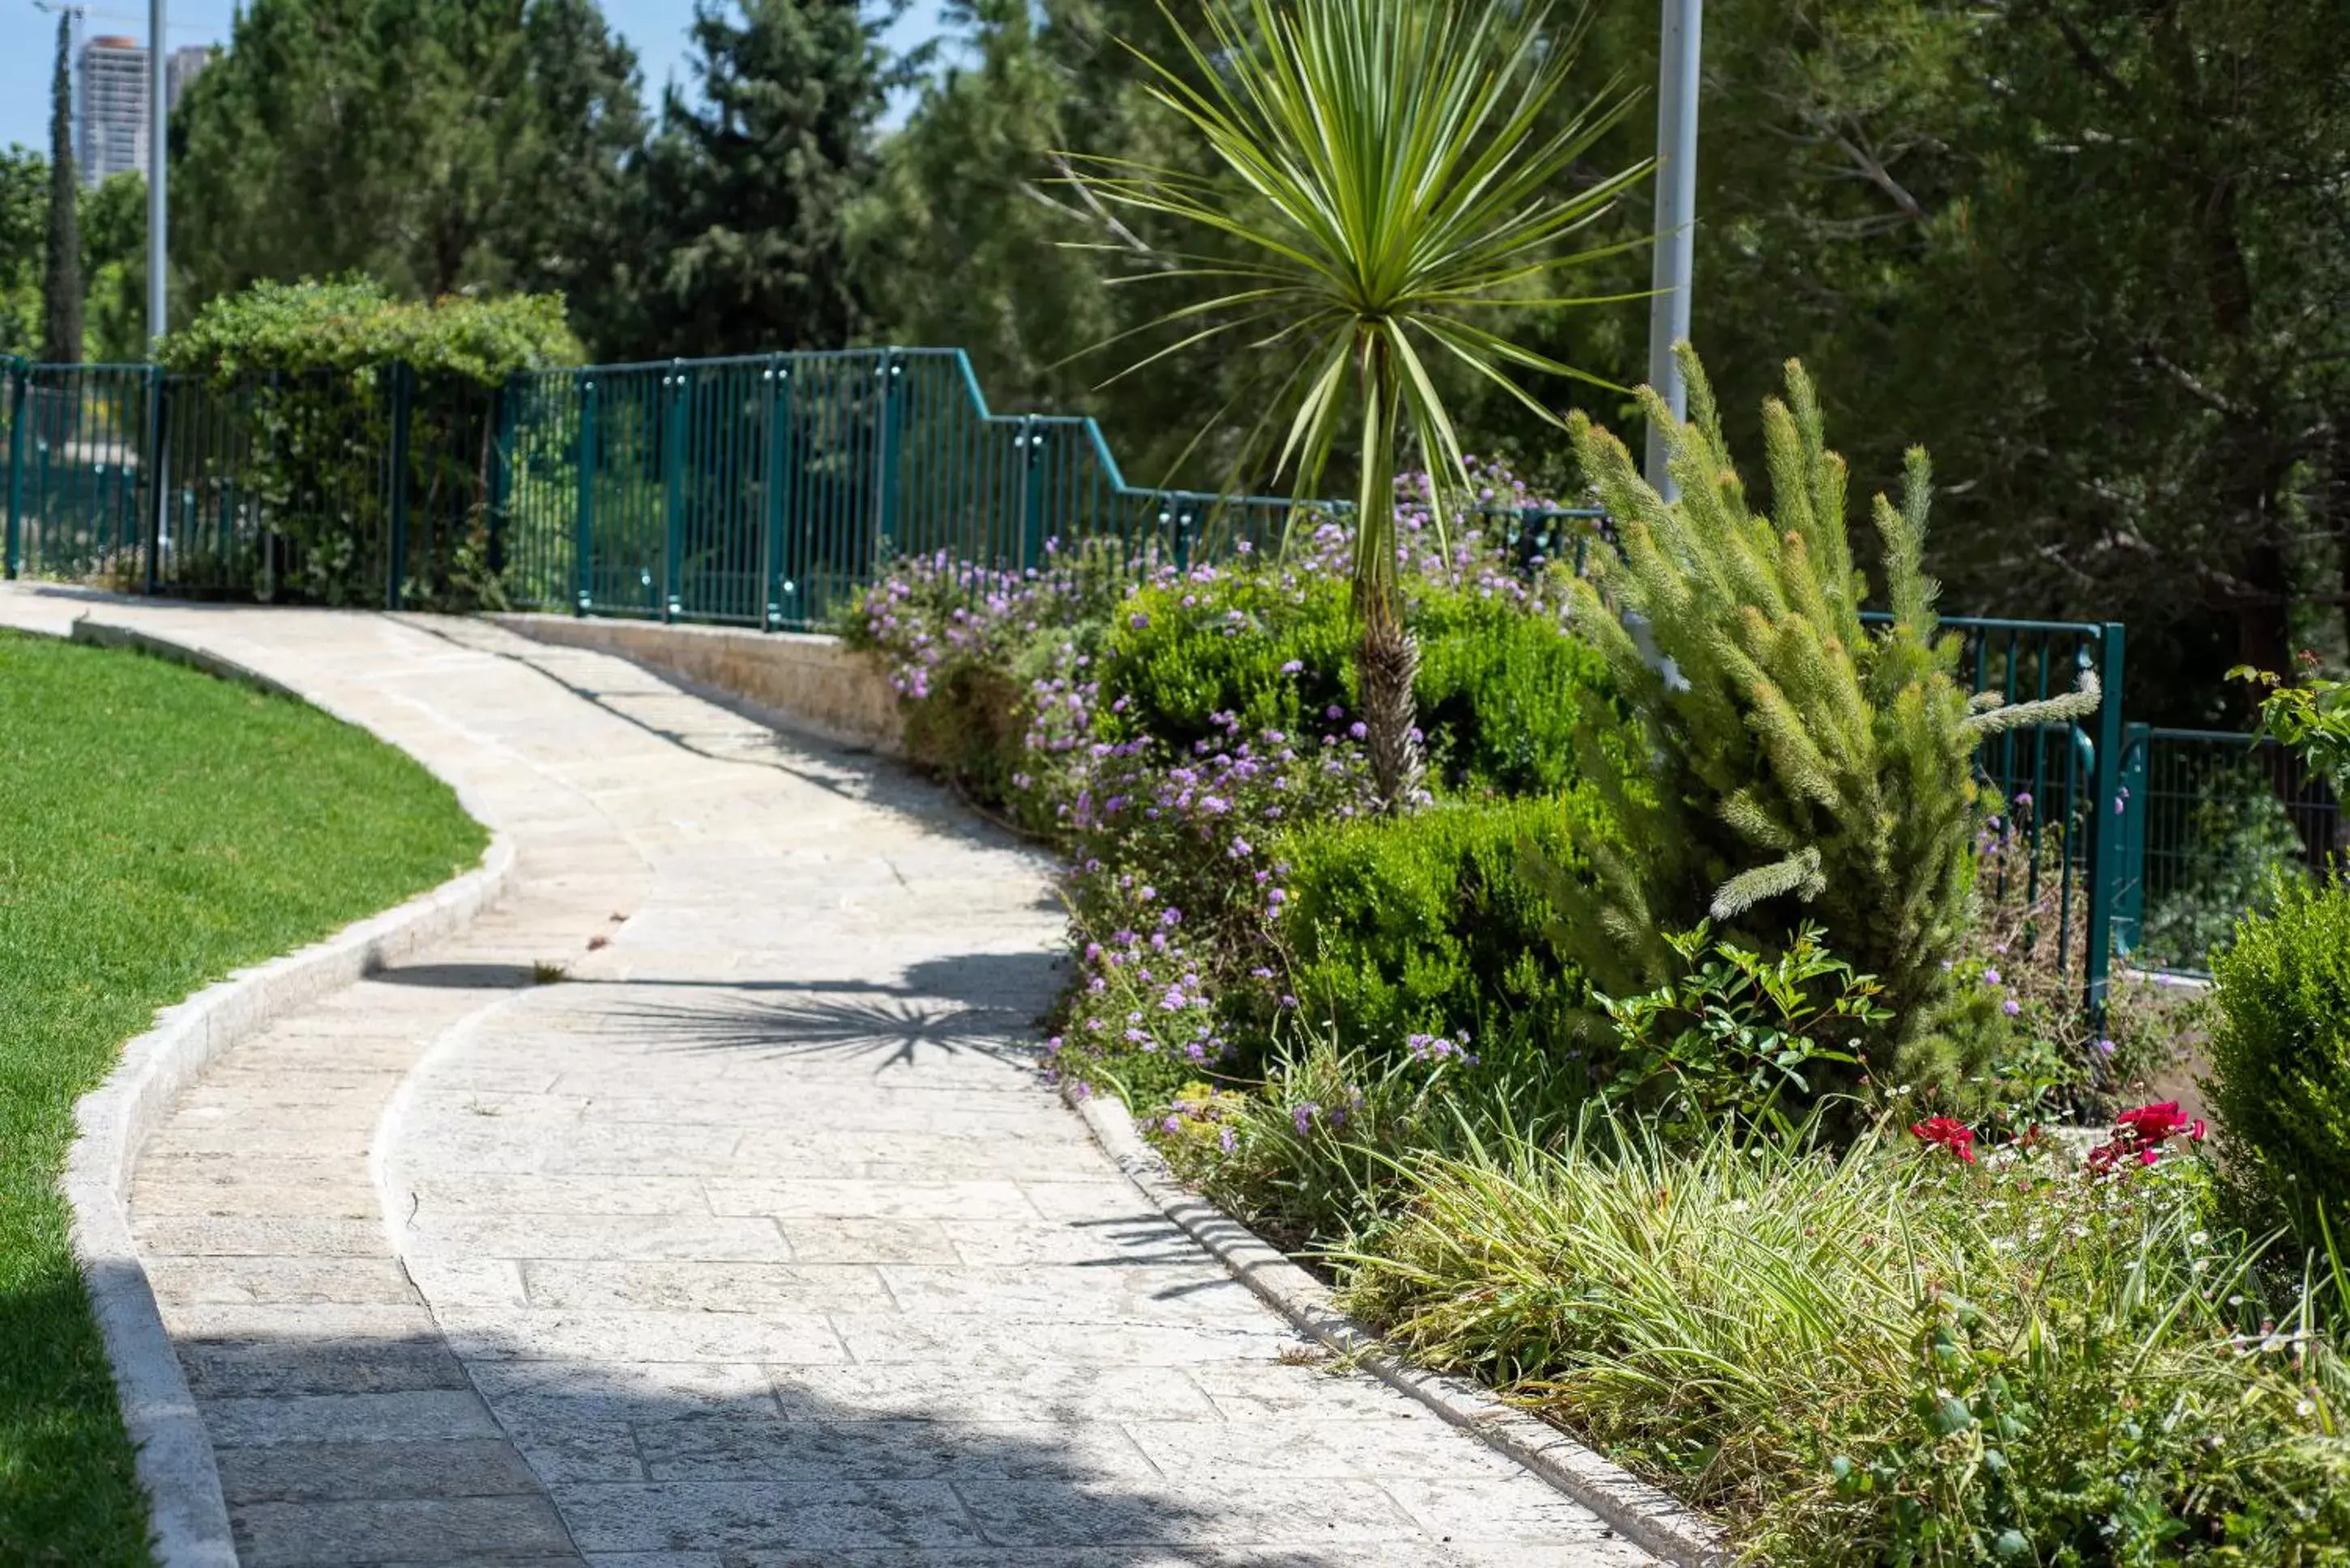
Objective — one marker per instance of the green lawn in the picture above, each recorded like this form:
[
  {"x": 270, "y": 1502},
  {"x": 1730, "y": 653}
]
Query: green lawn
[{"x": 158, "y": 829}]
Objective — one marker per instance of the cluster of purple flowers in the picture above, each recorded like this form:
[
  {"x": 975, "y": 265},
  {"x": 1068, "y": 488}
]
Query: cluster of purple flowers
[
  {"x": 1177, "y": 886},
  {"x": 1436, "y": 1048}
]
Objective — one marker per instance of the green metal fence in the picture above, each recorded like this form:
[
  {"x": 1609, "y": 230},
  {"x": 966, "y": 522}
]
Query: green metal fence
[
  {"x": 765, "y": 491},
  {"x": 357, "y": 488},
  {"x": 2208, "y": 817}
]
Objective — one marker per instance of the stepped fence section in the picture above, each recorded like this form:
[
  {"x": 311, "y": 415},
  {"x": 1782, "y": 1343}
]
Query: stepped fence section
[{"x": 765, "y": 491}]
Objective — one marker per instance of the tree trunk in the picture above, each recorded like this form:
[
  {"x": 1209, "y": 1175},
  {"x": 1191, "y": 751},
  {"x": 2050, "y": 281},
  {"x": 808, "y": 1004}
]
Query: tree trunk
[{"x": 1388, "y": 661}]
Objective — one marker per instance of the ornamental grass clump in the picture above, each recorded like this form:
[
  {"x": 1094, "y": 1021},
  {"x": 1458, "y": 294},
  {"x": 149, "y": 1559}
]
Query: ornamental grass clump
[
  {"x": 1800, "y": 765},
  {"x": 1913, "y": 1351}
]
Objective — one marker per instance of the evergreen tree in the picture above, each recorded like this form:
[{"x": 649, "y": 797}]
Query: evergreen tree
[
  {"x": 1800, "y": 765},
  {"x": 967, "y": 239},
  {"x": 747, "y": 199},
  {"x": 438, "y": 145},
  {"x": 61, "y": 286},
  {"x": 24, "y": 237}
]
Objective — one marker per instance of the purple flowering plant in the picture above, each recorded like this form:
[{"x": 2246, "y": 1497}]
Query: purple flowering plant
[{"x": 1169, "y": 731}]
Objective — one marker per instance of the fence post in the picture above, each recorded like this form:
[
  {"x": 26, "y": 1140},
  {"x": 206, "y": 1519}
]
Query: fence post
[
  {"x": 672, "y": 486},
  {"x": 2129, "y": 871},
  {"x": 403, "y": 387},
  {"x": 501, "y": 475},
  {"x": 20, "y": 386},
  {"x": 159, "y": 478},
  {"x": 1183, "y": 538},
  {"x": 779, "y": 442},
  {"x": 1031, "y": 442},
  {"x": 885, "y": 457},
  {"x": 2107, "y": 819},
  {"x": 583, "y": 526}
]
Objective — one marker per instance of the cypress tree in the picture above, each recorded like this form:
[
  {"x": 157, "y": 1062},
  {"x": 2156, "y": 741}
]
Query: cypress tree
[
  {"x": 61, "y": 285},
  {"x": 748, "y": 199},
  {"x": 1801, "y": 766}
]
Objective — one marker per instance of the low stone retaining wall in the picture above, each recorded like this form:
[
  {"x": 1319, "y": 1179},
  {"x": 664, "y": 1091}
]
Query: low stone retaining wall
[{"x": 804, "y": 679}]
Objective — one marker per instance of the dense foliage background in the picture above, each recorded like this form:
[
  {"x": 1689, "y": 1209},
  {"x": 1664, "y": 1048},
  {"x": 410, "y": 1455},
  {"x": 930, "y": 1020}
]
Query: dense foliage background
[{"x": 2094, "y": 251}]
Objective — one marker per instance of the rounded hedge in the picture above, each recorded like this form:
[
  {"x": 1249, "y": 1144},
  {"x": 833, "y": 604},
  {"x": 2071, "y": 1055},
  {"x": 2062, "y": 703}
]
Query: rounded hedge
[{"x": 2280, "y": 1051}]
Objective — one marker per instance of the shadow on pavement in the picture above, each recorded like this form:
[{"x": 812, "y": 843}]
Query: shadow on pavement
[{"x": 364, "y": 1450}]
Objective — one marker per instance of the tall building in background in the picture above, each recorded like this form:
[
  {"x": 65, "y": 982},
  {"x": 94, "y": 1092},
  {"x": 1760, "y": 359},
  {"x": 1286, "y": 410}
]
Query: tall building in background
[
  {"x": 185, "y": 66},
  {"x": 114, "y": 101},
  {"x": 113, "y": 107}
]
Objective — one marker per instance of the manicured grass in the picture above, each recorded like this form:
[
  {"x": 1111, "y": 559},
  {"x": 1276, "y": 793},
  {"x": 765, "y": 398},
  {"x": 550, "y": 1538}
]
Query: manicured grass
[{"x": 158, "y": 829}]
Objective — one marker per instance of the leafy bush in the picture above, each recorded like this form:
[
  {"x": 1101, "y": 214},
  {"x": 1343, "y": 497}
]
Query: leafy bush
[
  {"x": 1499, "y": 688},
  {"x": 1737, "y": 1037},
  {"x": 303, "y": 381},
  {"x": 1421, "y": 927},
  {"x": 355, "y": 324},
  {"x": 1502, "y": 694},
  {"x": 2280, "y": 1051},
  {"x": 1885, "y": 1355},
  {"x": 1800, "y": 766}
]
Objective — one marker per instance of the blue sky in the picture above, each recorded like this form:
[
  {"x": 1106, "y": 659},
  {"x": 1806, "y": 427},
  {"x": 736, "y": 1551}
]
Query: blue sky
[{"x": 27, "y": 39}]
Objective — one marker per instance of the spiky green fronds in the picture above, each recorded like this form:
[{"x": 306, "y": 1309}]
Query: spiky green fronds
[{"x": 1805, "y": 765}]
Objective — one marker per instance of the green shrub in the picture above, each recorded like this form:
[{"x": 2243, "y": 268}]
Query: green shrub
[
  {"x": 1801, "y": 766},
  {"x": 2280, "y": 1051},
  {"x": 1737, "y": 1036},
  {"x": 1253, "y": 643},
  {"x": 1421, "y": 925},
  {"x": 356, "y": 324},
  {"x": 1498, "y": 691},
  {"x": 1501, "y": 693},
  {"x": 299, "y": 381}
]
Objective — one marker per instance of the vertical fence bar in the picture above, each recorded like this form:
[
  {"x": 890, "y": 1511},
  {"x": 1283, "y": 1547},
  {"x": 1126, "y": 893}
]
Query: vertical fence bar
[
  {"x": 20, "y": 387},
  {"x": 158, "y": 488},
  {"x": 2106, "y": 809},
  {"x": 583, "y": 525},
  {"x": 673, "y": 439},
  {"x": 2129, "y": 871},
  {"x": 775, "y": 581},
  {"x": 403, "y": 397},
  {"x": 885, "y": 468},
  {"x": 501, "y": 475},
  {"x": 1030, "y": 444}
]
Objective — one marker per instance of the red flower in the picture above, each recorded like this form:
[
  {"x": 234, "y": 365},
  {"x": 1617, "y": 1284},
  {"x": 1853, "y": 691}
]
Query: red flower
[
  {"x": 1954, "y": 1135},
  {"x": 2142, "y": 1132},
  {"x": 2152, "y": 1124}
]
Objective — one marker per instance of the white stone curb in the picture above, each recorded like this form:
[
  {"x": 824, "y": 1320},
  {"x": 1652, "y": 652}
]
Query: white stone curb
[
  {"x": 1647, "y": 1516},
  {"x": 189, "y": 1517}
]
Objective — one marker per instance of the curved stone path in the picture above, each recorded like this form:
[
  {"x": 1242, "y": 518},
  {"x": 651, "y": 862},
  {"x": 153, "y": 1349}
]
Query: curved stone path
[{"x": 754, "y": 1241}]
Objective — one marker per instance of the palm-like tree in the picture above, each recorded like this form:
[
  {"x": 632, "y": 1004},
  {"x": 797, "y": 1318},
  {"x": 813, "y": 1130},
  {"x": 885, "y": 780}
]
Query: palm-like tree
[{"x": 1402, "y": 175}]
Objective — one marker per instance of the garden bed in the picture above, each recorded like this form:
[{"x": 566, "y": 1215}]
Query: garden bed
[{"x": 1767, "y": 1202}]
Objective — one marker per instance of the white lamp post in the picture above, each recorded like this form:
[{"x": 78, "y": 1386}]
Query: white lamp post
[
  {"x": 1669, "y": 309},
  {"x": 159, "y": 115}
]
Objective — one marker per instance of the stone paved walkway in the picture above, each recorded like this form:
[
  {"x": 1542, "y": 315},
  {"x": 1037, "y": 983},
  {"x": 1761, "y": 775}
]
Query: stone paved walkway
[{"x": 752, "y": 1242}]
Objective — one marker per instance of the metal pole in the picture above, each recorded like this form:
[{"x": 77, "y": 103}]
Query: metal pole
[
  {"x": 2110, "y": 807},
  {"x": 159, "y": 115},
  {"x": 1669, "y": 309}
]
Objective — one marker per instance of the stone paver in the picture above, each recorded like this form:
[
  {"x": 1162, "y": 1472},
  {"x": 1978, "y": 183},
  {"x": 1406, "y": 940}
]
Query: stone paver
[{"x": 755, "y": 1241}]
